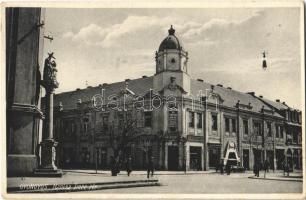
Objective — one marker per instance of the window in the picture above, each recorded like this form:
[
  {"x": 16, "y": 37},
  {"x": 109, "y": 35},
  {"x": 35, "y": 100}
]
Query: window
[
  {"x": 281, "y": 132},
  {"x": 245, "y": 127},
  {"x": 85, "y": 125},
  {"x": 277, "y": 131},
  {"x": 227, "y": 125},
  {"x": 105, "y": 122},
  {"x": 148, "y": 119},
  {"x": 257, "y": 128},
  {"x": 199, "y": 122},
  {"x": 234, "y": 127},
  {"x": 214, "y": 122},
  {"x": 269, "y": 130},
  {"x": 191, "y": 119}
]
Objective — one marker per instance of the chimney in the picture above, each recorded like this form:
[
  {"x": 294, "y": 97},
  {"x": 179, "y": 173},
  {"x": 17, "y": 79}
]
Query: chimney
[
  {"x": 78, "y": 89},
  {"x": 200, "y": 80},
  {"x": 277, "y": 100},
  {"x": 104, "y": 84},
  {"x": 260, "y": 96},
  {"x": 220, "y": 85},
  {"x": 127, "y": 80},
  {"x": 144, "y": 76},
  {"x": 229, "y": 88},
  {"x": 284, "y": 103},
  {"x": 251, "y": 93}
]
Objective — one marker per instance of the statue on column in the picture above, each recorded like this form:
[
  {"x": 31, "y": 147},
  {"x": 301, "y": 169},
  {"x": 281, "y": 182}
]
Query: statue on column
[
  {"x": 49, "y": 76},
  {"x": 48, "y": 151}
]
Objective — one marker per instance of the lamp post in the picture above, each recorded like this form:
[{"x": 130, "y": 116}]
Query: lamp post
[{"x": 97, "y": 158}]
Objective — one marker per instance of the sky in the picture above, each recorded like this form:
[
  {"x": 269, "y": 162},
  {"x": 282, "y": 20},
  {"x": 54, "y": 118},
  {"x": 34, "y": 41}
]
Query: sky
[{"x": 95, "y": 46}]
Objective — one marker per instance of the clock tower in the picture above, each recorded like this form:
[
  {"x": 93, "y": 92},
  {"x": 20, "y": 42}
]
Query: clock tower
[{"x": 171, "y": 62}]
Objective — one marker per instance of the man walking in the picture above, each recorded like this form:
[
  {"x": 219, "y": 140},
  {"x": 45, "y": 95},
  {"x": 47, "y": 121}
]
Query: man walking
[
  {"x": 266, "y": 167},
  {"x": 129, "y": 166},
  {"x": 150, "y": 167}
]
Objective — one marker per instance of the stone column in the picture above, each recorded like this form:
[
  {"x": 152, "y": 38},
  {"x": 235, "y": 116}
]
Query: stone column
[{"x": 48, "y": 144}]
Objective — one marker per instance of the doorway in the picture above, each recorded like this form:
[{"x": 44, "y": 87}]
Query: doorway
[
  {"x": 195, "y": 158},
  {"x": 173, "y": 158}
]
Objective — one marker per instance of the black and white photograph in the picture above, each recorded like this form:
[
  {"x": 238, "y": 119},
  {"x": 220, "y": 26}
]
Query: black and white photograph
[{"x": 137, "y": 99}]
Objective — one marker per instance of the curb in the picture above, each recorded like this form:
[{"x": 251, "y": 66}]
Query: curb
[
  {"x": 276, "y": 179},
  {"x": 44, "y": 188}
]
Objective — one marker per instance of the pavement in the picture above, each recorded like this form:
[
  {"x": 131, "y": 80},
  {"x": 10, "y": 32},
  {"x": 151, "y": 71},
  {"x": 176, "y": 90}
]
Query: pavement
[
  {"x": 279, "y": 176},
  {"x": 90, "y": 180}
]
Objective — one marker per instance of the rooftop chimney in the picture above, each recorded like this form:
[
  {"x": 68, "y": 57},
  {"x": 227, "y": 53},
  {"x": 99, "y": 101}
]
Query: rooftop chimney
[
  {"x": 260, "y": 96},
  {"x": 229, "y": 88},
  {"x": 277, "y": 100},
  {"x": 200, "y": 80},
  {"x": 144, "y": 77},
  {"x": 220, "y": 85},
  {"x": 78, "y": 89}
]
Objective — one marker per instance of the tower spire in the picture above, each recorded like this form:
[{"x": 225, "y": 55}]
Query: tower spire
[{"x": 171, "y": 31}]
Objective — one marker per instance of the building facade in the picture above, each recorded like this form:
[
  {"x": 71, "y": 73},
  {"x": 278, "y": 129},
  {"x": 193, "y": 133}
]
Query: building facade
[
  {"x": 24, "y": 41},
  {"x": 180, "y": 122}
]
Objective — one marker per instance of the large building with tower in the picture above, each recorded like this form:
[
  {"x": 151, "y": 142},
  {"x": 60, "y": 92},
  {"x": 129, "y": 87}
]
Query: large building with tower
[{"x": 180, "y": 122}]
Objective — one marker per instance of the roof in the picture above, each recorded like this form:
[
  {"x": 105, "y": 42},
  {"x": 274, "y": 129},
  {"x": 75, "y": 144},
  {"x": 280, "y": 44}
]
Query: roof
[
  {"x": 170, "y": 42},
  {"x": 277, "y": 105},
  {"x": 142, "y": 85},
  {"x": 229, "y": 96},
  {"x": 69, "y": 99}
]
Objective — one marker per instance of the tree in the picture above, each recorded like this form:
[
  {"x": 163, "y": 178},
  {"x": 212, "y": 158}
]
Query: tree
[{"x": 121, "y": 136}]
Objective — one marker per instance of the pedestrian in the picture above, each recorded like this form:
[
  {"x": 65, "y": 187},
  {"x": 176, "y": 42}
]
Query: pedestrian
[
  {"x": 287, "y": 168},
  {"x": 228, "y": 168},
  {"x": 221, "y": 167},
  {"x": 266, "y": 167},
  {"x": 284, "y": 167},
  {"x": 113, "y": 166},
  {"x": 150, "y": 167},
  {"x": 129, "y": 166},
  {"x": 256, "y": 169}
]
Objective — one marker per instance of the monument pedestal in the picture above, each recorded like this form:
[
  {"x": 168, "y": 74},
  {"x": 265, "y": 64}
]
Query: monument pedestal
[{"x": 48, "y": 154}]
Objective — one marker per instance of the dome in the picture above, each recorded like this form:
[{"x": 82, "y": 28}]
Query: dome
[{"x": 170, "y": 42}]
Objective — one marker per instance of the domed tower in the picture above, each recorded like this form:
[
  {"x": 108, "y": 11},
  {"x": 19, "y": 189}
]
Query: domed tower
[{"x": 171, "y": 61}]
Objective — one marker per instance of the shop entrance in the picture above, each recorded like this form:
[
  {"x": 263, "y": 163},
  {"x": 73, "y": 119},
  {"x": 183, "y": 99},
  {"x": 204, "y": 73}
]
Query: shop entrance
[
  {"x": 214, "y": 156},
  {"x": 280, "y": 157},
  {"x": 173, "y": 158},
  {"x": 195, "y": 158}
]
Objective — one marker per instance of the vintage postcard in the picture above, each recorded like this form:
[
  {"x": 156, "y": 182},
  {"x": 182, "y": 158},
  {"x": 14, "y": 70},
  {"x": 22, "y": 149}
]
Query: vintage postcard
[{"x": 138, "y": 99}]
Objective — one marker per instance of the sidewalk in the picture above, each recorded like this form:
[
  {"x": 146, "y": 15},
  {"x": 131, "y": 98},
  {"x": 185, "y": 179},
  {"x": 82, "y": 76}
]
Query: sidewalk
[
  {"x": 279, "y": 176},
  {"x": 136, "y": 172}
]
